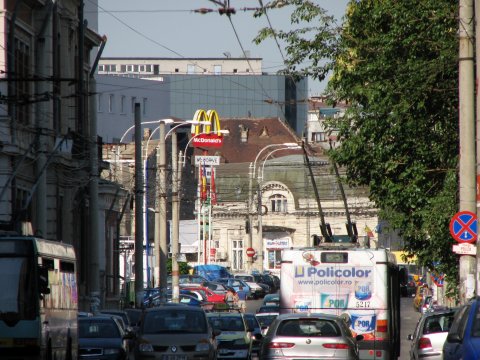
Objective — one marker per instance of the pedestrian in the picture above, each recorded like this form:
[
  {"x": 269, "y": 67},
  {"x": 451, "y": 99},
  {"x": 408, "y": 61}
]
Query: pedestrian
[
  {"x": 242, "y": 298},
  {"x": 230, "y": 298}
]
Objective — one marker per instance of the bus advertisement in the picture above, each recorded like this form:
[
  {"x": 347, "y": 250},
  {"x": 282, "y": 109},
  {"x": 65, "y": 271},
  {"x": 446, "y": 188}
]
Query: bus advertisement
[
  {"x": 39, "y": 299},
  {"x": 359, "y": 284}
]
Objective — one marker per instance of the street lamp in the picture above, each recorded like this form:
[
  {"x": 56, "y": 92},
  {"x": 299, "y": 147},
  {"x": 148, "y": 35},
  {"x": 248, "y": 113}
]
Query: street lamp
[
  {"x": 252, "y": 172},
  {"x": 259, "y": 191},
  {"x": 160, "y": 127},
  {"x": 176, "y": 182}
]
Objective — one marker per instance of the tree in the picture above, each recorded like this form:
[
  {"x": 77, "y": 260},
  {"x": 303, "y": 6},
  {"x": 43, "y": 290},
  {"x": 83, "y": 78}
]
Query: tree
[{"x": 395, "y": 64}]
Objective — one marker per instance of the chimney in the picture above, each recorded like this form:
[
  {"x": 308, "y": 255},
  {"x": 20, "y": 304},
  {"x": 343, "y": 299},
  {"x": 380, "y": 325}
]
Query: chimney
[
  {"x": 146, "y": 133},
  {"x": 243, "y": 133}
]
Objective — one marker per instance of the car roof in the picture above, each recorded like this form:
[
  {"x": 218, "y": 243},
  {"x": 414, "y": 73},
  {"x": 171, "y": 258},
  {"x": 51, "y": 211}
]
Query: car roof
[
  {"x": 224, "y": 314},
  {"x": 174, "y": 306},
  {"x": 439, "y": 312}
]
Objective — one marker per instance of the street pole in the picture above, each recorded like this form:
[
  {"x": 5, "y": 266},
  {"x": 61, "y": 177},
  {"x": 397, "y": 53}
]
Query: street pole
[
  {"x": 138, "y": 210},
  {"x": 467, "y": 167},
  {"x": 161, "y": 214},
  {"x": 477, "y": 137},
  {"x": 249, "y": 226},
  {"x": 175, "y": 219}
]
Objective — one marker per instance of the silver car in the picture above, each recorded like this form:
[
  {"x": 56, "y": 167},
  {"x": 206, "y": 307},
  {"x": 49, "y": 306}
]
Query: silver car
[
  {"x": 430, "y": 335},
  {"x": 308, "y": 336}
]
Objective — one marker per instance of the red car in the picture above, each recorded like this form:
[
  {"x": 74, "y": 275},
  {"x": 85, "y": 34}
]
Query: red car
[{"x": 206, "y": 292}]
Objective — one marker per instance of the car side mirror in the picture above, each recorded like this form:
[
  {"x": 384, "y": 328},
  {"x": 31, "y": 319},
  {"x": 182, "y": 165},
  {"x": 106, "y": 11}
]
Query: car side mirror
[
  {"x": 410, "y": 337},
  {"x": 454, "y": 338}
]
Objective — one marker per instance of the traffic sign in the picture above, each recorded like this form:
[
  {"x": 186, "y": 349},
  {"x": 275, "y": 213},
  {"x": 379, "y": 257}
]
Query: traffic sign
[
  {"x": 250, "y": 252},
  {"x": 465, "y": 249},
  {"x": 463, "y": 227},
  {"x": 207, "y": 160}
]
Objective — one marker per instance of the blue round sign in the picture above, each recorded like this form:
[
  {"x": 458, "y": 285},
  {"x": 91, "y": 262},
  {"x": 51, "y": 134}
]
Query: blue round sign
[{"x": 463, "y": 227}]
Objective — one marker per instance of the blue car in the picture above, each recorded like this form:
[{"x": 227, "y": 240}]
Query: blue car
[
  {"x": 241, "y": 288},
  {"x": 463, "y": 339}
]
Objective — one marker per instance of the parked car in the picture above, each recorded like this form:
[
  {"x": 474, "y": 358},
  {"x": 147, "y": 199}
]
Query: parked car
[
  {"x": 241, "y": 288},
  {"x": 216, "y": 287},
  {"x": 235, "y": 340},
  {"x": 271, "y": 299},
  {"x": 296, "y": 336},
  {"x": 256, "y": 290},
  {"x": 422, "y": 290},
  {"x": 102, "y": 337},
  {"x": 430, "y": 334},
  {"x": 175, "y": 332},
  {"x": 256, "y": 328},
  {"x": 463, "y": 339},
  {"x": 209, "y": 294},
  {"x": 427, "y": 303}
]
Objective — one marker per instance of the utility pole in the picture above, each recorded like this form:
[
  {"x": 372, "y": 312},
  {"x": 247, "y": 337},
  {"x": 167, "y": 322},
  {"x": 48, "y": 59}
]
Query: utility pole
[
  {"x": 467, "y": 167},
  {"x": 161, "y": 214},
  {"x": 477, "y": 137},
  {"x": 138, "y": 210},
  {"x": 175, "y": 219}
]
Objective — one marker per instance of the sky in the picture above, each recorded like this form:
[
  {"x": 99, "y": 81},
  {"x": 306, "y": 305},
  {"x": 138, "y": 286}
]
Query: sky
[{"x": 171, "y": 28}]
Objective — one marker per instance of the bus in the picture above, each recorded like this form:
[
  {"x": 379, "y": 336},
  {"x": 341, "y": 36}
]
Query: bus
[
  {"x": 38, "y": 299},
  {"x": 359, "y": 284}
]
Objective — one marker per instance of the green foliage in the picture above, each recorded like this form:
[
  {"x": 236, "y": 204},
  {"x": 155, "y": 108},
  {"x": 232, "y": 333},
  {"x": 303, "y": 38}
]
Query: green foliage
[
  {"x": 396, "y": 65},
  {"x": 183, "y": 267}
]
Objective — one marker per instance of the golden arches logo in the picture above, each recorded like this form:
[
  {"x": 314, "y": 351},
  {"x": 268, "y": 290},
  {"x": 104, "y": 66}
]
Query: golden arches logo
[{"x": 207, "y": 134}]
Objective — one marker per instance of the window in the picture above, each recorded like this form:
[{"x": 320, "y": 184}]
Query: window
[
  {"x": 274, "y": 259},
  {"x": 278, "y": 203},
  {"x": 129, "y": 68},
  {"x": 190, "y": 69},
  {"x": 135, "y": 68},
  {"x": 111, "y": 105},
  {"x": 237, "y": 252},
  {"x": 122, "y": 104},
  {"x": 100, "y": 102},
  {"x": 234, "y": 70},
  {"x": 134, "y": 100},
  {"x": 217, "y": 69},
  {"x": 318, "y": 137},
  {"x": 101, "y": 68},
  {"x": 123, "y": 68},
  {"x": 22, "y": 87}
]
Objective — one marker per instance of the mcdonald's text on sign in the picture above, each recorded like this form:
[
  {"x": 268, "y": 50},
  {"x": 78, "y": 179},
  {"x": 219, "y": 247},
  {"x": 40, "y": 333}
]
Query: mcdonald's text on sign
[{"x": 207, "y": 135}]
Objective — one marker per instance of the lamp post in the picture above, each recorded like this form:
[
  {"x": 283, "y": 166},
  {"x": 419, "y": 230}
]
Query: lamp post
[
  {"x": 260, "y": 195},
  {"x": 161, "y": 128},
  {"x": 175, "y": 240},
  {"x": 252, "y": 172},
  {"x": 176, "y": 178},
  {"x": 161, "y": 246}
]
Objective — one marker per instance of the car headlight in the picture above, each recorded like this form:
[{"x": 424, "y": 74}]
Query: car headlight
[
  {"x": 145, "y": 347},
  {"x": 202, "y": 346},
  {"x": 111, "y": 351}
]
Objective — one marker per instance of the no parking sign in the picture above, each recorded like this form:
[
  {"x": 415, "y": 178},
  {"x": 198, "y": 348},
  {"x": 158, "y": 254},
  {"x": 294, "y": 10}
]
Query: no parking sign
[{"x": 463, "y": 227}]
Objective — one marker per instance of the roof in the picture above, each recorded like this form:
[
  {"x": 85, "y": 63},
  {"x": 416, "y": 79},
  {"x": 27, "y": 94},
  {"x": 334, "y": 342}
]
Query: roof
[{"x": 248, "y": 136}]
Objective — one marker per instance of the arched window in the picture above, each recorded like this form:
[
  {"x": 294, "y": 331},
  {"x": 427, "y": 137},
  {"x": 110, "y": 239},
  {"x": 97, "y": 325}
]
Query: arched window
[{"x": 278, "y": 203}]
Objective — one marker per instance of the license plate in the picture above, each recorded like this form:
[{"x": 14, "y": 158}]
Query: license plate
[{"x": 174, "y": 357}]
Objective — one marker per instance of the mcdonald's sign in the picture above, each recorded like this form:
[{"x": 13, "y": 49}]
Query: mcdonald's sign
[{"x": 207, "y": 135}]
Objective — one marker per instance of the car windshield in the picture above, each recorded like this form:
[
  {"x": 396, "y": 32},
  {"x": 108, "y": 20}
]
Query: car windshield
[
  {"x": 174, "y": 320},
  {"x": 227, "y": 323},
  {"x": 308, "y": 327},
  {"x": 88, "y": 328},
  {"x": 268, "y": 309}
]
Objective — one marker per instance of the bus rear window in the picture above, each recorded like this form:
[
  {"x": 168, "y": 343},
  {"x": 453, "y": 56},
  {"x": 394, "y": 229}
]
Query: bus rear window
[{"x": 334, "y": 257}]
